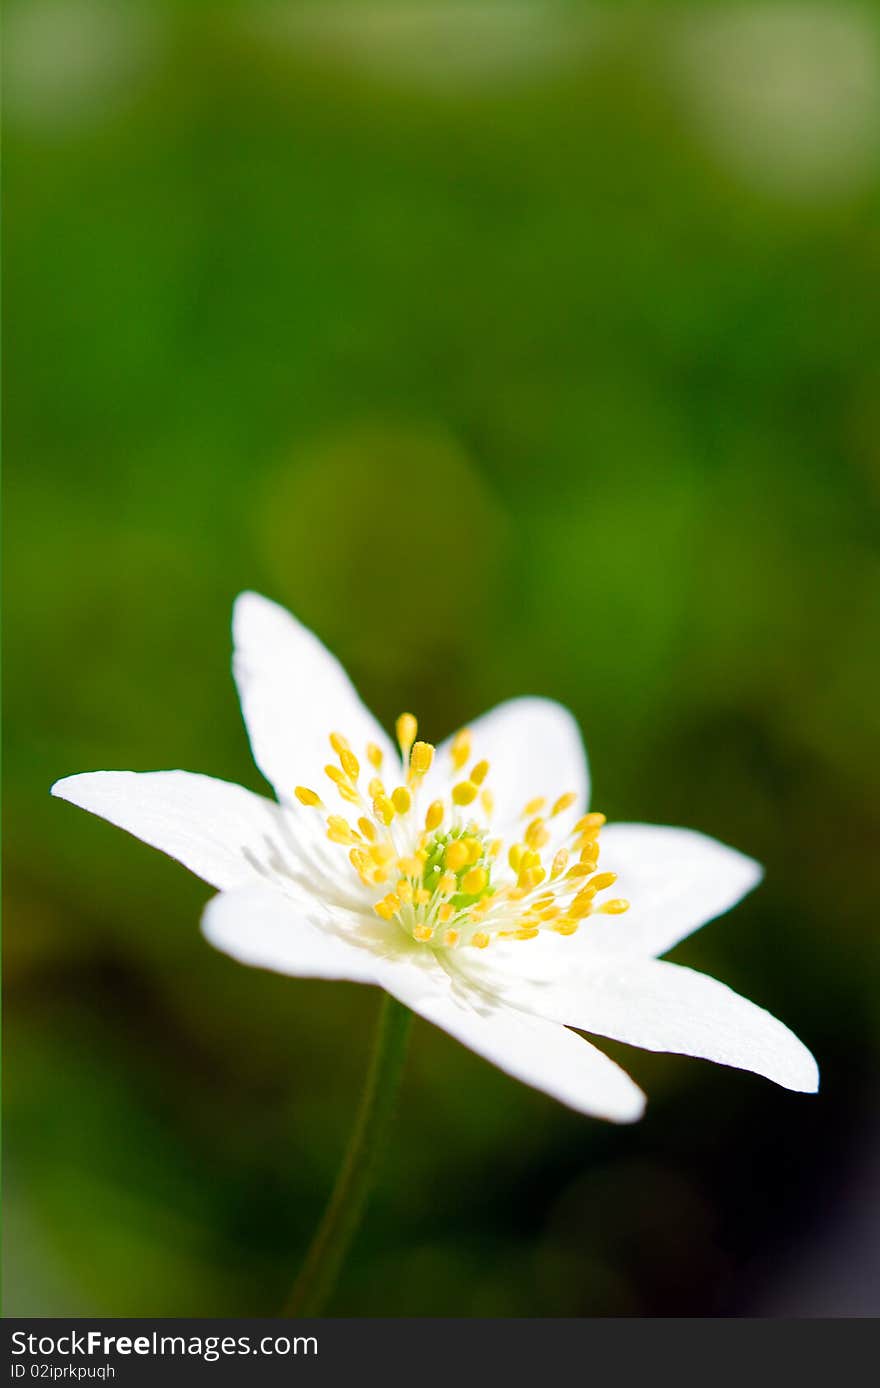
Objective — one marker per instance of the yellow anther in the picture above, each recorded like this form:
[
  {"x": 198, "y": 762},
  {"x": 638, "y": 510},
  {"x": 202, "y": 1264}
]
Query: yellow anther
[
  {"x": 534, "y": 806},
  {"x": 531, "y": 877},
  {"x": 359, "y": 859},
  {"x": 589, "y": 824},
  {"x": 413, "y": 865},
  {"x": 423, "y": 932},
  {"x": 447, "y": 885},
  {"x": 464, "y": 793},
  {"x": 367, "y": 828},
  {"x": 560, "y": 862},
  {"x": 384, "y": 910},
  {"x": 530, "y": 858},
  {"x": 474, "y": 850},
  {"x": 446, "y": 912},
  {"x": 615, "y": 907},
  {"x": 456, "y": 855},
  {"x": 479, "y": 772},
  {"x": 566, "y": 927},
  {"x": 401, "y": 799},
  {"x": 582, "y": 904},
  {"x": 451, "y": 939},
  {"x": 421, "y": 758},
  {"x": 579, "y": 870},
  {"x": 336, "y": 776},
  {"x": 374, "y": 755},
  {"x": 487, "y": 800},
  {"x": 564, "y": 802},
  {"x": 350, "y": 764},
  {"x": 550, "y": 913},
  {"x": 338, "y": 830},
  {"x": 514, "y": 856},
  {"x": 406, "y": 727},
  {"x": 376, "y": 787},
  {"x": 404, "y": 890},
  {"x": 602, "y": 880},
  {"x": 383, "y": 808},
  {"x": 307, "y": 797},
  {"x": 461, "y": 748},
  {"x": 536, "y": 834},
  {"x": 527, "y": 934},
  {"x": 475, "y": 881},
  {"x": 422, "y": 896},
  {"x": 590, "y": 854},
  {"x": 495, "y": 847},
  {"x": 479, "y": 909},
  {"x": 481, "y": 939},
  {"x": 434, "y": 817},
  {"x": 381, "y": 852}
]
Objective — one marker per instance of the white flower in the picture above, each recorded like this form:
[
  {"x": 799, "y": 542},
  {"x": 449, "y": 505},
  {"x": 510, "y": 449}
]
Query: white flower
[{"x": 465, "y": 882}]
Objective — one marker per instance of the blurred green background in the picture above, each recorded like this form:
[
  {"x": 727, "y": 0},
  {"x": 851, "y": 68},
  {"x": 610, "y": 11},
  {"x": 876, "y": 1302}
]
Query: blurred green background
[{"x": 515, "y": 347}]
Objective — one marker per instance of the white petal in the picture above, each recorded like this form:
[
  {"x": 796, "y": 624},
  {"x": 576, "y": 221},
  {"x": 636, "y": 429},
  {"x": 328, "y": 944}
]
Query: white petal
[
  {"x": 542, "y": 1054},
  {"x": 664, "y": 1007},
  {"x": 220, "y": 831},
  {"x": 674, "y": 879},
  {"x": 534, "y": 748},
  {"x": 263, "y": 927},
  {"x": 294, "y": 693}
]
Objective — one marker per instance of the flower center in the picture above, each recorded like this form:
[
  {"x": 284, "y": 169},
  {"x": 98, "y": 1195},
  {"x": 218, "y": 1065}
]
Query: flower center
[{"x": 445, "y": 877}]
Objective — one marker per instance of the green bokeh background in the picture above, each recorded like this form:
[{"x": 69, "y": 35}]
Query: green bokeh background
[{"x": 516, "y": 348}]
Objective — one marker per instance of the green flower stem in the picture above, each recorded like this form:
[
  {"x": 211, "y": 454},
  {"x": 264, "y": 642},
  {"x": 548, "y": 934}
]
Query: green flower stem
[{"x": 333, "y": 1238}]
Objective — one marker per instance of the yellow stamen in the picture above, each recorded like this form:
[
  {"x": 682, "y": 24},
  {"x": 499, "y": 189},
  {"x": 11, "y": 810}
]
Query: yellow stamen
[
  {"x": 406, "y": 728},
  {"x": 474, "y": 881},
  {"x": 339, "y": 830},
  {"x": 423, "y": 932},
  {"x": 451, "y": 938},
  {"x": 445, "y": 913},
  {"x": 495, "y": 847},
  {"x": 383, "y": 808},
  {"x": 602, "y": 880},
  {"x": 376, "y": 787},
  {"x": 487, "y": 800},
  {"x": 307, "y": 797},
  {"x": 456, "y": 855},
  {"x": 536, "y": 834},
  {"x": 464, "y": 793},
  {"x": 461, "y": 748},
  {"x": 339, "y": 743},
  {"x": 614, "y": 908},
  {"x": 514, "y": 856},
  {"x": 367, "y": 828},
  {"x": 374, "y": 755},
  {"x": 412, "y": 866},
  {"x": 481, "y": 939},
  {"x": 474, "y": 850},
  {"x": 582, "y": 904},
  {"x": 404, "y": 890},
  {"x": 421, "y": 759},
  {"x": 560, "y": 862},
  {"x": 350, "y": 764},
  {"x": 479, "y": 772},
  {"x": 564, "y": 802},
  {"x": 566, "y": 927},
  {"x": 384, "y": 910},
  {"x": 381, "y": 852},
  {"x": 589, "y": 823},
  {"x": 534, "y": 806},
  {"x": 434, "y": 817},
  {"x": 447, "y": 885},
  {"x": 401, "y": 799}
]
